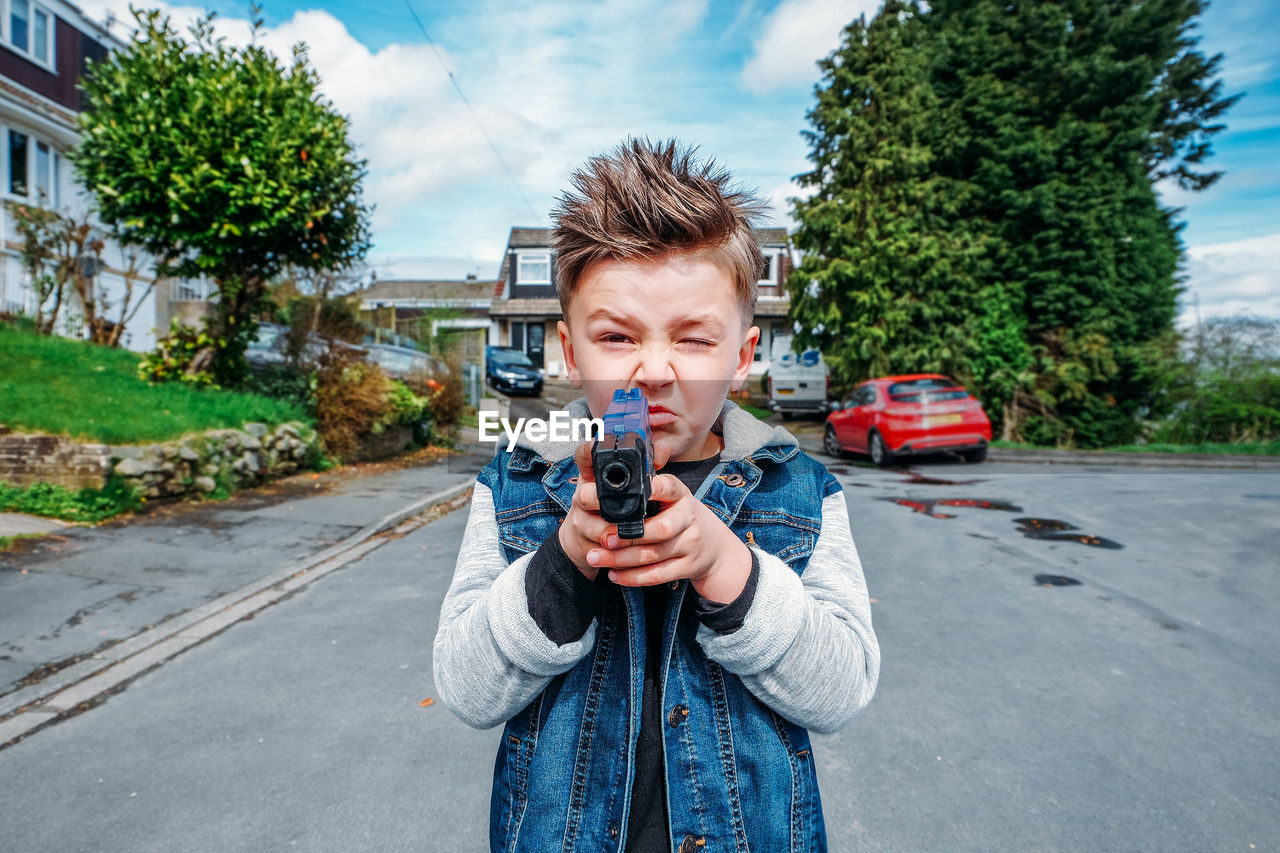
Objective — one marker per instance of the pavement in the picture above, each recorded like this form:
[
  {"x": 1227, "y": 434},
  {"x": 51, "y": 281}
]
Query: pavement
[
  {"x": 84, "y": 610},
  {"x": 1107, "y": 687}
]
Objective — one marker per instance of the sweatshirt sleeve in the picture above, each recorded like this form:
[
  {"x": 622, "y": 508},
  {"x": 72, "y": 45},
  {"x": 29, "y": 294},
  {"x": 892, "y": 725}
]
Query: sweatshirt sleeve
[
  {"x": 806, "y": 647},
  {"x": 490, "y": 658}
]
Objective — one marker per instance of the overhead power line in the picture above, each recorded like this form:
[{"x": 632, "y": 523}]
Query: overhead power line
[{"x": 462, "y": 97}]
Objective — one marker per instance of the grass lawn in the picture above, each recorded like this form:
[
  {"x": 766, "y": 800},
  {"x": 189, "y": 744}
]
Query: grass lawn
[
  {"x": 92, "y": 393},
  {"x": 1247, "y": 448}
]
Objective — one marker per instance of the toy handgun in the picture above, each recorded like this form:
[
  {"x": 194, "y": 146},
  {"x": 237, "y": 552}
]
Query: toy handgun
[{"x": 622, "y": 461}]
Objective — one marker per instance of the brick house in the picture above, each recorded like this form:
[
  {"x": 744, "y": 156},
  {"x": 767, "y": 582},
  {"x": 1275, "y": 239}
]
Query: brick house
[{"x": 525, "y": 308}]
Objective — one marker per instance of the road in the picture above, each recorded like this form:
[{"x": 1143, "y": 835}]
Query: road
[{"x": 1134, "y": 709}]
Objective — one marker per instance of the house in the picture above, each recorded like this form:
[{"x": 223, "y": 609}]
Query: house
[
  {"x": 422, "y": 309},
  {"x": 525, "y": 308},
  {"x": 45, "y": 47}
]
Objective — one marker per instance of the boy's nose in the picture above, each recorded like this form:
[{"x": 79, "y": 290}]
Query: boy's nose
[{"x": 654, "y": 370}]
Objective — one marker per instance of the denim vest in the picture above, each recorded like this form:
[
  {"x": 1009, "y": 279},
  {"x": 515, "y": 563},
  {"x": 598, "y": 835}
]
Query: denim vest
[{"x": 737, "y": 773}]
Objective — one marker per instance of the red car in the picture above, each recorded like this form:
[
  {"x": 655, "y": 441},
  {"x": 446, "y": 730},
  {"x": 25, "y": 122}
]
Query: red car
[{"x": 902, "y": 415}]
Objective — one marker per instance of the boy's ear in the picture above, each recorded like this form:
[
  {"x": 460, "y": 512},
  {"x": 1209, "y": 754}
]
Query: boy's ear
[
  {"x": 746, "y": 355},
  {"x": 570, "y": 359}
]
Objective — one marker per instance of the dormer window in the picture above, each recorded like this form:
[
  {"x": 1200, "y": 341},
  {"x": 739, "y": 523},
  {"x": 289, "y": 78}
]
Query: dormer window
[
  {"x": 770, "y": 275},
  {"x": 29, "y": 29},
  {"x": 533, "y": 268}
]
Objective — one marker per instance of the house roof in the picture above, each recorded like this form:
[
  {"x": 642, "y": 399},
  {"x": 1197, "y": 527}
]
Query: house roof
[
  {"x": 766, "y": 306},
  {"x": 409, "y": 290},
  {"x": 540, "y": 238}
]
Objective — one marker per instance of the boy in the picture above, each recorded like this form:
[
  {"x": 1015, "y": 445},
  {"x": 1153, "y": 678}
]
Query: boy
[{"x": 657, "y": 692}]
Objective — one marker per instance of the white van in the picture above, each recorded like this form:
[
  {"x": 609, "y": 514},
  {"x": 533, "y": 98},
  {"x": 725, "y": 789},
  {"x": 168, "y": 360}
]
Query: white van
[{"x": 797, "y": 381}]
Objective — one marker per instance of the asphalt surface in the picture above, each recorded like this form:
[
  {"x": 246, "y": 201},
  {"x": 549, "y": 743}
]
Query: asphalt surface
[{"x": 1131, "y": 710}]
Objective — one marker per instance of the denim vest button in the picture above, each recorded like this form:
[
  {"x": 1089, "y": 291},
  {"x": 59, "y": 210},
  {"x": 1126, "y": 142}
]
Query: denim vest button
[
  {"x": 613, "y": 829},
  {"x": 677, "y": 715},
  {"x": 691, "y": 844}
]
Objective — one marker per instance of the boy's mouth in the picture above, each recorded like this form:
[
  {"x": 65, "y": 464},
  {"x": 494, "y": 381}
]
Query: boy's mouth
[{"x": 660, "y": 416}]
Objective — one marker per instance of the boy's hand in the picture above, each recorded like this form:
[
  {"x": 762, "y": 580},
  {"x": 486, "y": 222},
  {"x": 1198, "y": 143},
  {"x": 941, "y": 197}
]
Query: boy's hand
[
  {"x": 583, "y": 528},
  {"x": 684, "y": 540}
]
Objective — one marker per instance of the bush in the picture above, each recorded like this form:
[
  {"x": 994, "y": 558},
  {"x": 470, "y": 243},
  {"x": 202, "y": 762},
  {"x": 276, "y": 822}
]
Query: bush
[
  {"x": 58, "y": 502},
  {"x": 185, "y": 354},
  {"x": 351, "y": 397},
  {"x": 285, "y": 382}
]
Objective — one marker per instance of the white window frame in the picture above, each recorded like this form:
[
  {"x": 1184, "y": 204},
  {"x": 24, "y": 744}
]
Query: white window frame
[
  {"x": 191, "y": 290},
  {"x": 775, "y": 258},
  {"x": 55, "y": 169},
  {"x": 50, "y": 62},
  {"x": 532, "y": 257}
]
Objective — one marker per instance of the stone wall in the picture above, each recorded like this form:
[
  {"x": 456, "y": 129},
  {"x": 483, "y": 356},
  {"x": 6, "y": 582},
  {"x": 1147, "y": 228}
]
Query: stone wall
[
  {"x": 197, "y": 464},
  {"x": 231, "y": 458},
  {"x": 29, "y": 459},
  {"x": 200, "y": 463}
]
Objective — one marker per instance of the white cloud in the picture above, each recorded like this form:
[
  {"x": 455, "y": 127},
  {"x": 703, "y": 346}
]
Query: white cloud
[
  {"x": 795, "y": 36},
  {"x": 1242, "y": 275}
]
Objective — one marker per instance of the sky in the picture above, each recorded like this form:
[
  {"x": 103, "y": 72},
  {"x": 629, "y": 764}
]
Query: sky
[{"x": 552, "y": 82}]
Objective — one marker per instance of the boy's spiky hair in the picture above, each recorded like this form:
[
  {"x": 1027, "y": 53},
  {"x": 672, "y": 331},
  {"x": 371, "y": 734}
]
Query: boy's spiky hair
[{"x": 647, "y": 200}]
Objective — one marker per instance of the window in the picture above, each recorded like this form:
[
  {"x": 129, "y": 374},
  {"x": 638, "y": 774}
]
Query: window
[
  {"x": 193, "y": 290},
  {"x": 40, "y": 40},
  {"x": 533, "y": 268},
  {"x": 31, "y": 31},
  {"x": 35, "y": 169},
  {"x": 44, "y": 173},
  {"x": 517, "y": 335},
  {"x": 19, "y": 17},
  {"x": 18, "y": 149},
  {"x": 770, "y": 275}
]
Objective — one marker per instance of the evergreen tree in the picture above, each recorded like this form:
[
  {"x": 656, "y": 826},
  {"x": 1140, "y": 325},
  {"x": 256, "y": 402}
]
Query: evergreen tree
[
  {"x": 1045, "y": 125},
  {"x": 884, "y": 280}
]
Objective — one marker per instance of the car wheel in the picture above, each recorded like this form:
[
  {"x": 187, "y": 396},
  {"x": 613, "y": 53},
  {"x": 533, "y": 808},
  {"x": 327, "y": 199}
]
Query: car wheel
[
  {"x": 975, "y": 456},
  {"x": 879, "y": 451},
  {"x": 831, "y": 444}
]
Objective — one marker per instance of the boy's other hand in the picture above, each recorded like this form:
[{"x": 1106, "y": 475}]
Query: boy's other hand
[
  {"x": 684, "y": 540},
  {"x": 583, "y": 529}
]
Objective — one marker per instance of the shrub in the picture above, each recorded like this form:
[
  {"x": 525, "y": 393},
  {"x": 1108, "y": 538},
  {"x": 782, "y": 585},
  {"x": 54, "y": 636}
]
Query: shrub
[
  {"x": 58, "y": 502},
  {"x": 351, "y": 398},
  {"x": 185, "y": 354}
]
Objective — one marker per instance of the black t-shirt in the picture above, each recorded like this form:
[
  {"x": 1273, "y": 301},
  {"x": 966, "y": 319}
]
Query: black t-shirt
[{"x": 563, "y": 602}]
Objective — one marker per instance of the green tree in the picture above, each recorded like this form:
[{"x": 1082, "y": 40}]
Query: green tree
[
  {"x": 220, "y": 161},
  {"x": 1040, "y": 248},
  {"x": 885, "y": 278}
]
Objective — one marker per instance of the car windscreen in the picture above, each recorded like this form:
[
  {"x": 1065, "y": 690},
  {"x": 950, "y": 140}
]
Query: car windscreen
[
  {"x": 401, "y": 361},
  {"x": 932, "y": 389},
  {"x": 266, "y": 338},
  {"x": 518, "y": 359},
  {"x": 931, "y": 396}
]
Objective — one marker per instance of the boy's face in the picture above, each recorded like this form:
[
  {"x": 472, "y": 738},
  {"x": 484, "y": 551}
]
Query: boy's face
[{"x": 671, "y": 327}]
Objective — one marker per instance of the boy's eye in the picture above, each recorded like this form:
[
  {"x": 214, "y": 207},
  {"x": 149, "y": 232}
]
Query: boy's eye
[
  {"x": 614, "y": 338},
  {"x": 697, "y": 342}
]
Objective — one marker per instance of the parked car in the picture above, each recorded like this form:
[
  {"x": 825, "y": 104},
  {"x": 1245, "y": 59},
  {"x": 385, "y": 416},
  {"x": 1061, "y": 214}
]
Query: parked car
[
  {"x": 398, "y": 362},
  {"x": 267, "y": 348},
  {"x": 798, "y": 382},
  {"x": 896, "y": 416},
  {"x": 511, "y": 371}
]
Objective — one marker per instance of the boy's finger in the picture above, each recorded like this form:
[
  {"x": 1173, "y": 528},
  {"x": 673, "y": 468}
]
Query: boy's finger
[
  {"x": 650, "y": 575},
  {"x": 586, "y": 496},
  {"x": 631, "y": 556},
  {"x": 586, "y": 474},
  {"x": 667, "y": 489}
]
